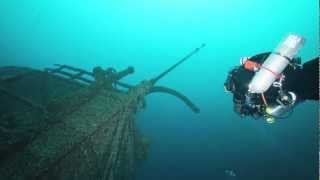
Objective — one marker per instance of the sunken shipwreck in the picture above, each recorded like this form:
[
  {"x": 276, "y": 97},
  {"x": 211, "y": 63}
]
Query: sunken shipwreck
[{"x": 70, "y": 123}]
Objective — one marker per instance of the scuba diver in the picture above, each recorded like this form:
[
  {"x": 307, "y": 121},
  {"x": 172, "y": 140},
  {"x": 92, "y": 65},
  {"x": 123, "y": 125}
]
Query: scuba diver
[{"x": 271, "y": 84}]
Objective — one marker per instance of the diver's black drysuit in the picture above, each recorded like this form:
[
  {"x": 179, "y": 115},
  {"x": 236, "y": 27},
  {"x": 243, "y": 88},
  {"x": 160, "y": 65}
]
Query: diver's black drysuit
[{"x": 303, "y": 80}]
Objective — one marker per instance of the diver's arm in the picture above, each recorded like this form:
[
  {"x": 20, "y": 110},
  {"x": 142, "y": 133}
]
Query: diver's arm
[
  {"x": 306, "y": 83},
  {"x": 311, "y": 80}
]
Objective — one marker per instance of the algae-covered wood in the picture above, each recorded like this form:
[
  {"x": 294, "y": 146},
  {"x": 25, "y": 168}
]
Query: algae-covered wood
[
  {"x": 69, "y": 123},
  {"x": 82, "y": 132}
]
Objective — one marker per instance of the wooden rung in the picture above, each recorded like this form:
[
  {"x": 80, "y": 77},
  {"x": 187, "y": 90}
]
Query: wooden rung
[
  {"x": 76, "y": 76},
  {"x": 75, "y": 69},
  {"x": 79, "y": 74},
  {"x": 69, "y": 75},
  {"x": 51, "y": 70}
]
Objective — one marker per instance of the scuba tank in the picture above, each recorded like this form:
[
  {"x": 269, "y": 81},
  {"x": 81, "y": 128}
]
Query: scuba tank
[{"x": 276, "y": 62}]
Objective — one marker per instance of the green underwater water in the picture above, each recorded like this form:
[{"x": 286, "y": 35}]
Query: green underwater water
[{"x": 151, "y": 36}]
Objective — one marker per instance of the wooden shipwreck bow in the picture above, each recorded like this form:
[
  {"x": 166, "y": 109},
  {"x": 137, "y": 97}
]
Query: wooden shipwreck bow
[{"x": 68, "y": 123}]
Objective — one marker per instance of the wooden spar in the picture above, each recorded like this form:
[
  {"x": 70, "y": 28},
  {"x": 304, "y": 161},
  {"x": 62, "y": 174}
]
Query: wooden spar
[{"x": 185, "y": 58}]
